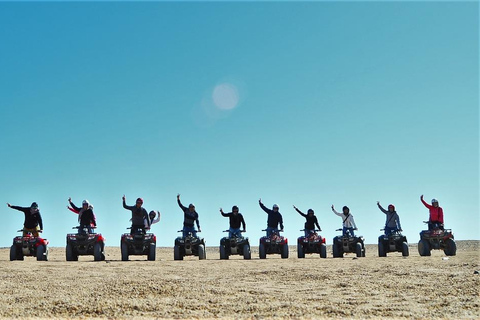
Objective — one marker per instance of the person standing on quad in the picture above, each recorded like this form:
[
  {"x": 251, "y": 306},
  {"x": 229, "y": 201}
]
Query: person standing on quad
[
  {"x": 348, "y": 222},
  {"x": 392, "y": 223},
  {"x": 274, "y": 218},
  {"x": 436, "y": 214},
  {"x": 311, "y": 222},
  {"x": 33, "y": 220},
  {"x": 86, "y": 217},
  {"x": 236, "y": 219},
  {"x": 139, "y": 215},
  {"x": 190, "y": 216}
]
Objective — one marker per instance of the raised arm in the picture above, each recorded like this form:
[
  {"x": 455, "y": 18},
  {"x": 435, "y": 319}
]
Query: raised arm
[
  {"x": 73, "y": 206},
  {"x": 300, "y": 212},
  {"x": 180, "y": 203},
  {"x": 424, "y": 203},
  {"x": 223, "y": 213},
  {"x": 268, "y": 211},
  {"x": 381, "y": 208},
  {"x": 335, "y": 211},
  {"x": 157, "y": 219},
  {"x": 17, "y": 207}
]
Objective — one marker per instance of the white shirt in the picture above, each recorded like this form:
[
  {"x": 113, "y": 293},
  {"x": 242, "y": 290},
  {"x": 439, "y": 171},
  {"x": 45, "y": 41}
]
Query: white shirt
[{"x": 348, "y": 222}]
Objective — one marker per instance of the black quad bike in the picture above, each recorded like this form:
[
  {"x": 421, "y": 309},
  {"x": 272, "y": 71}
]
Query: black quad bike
[
  {"x": 273, "y": 244},
  {"x": 235, "y": 245},
  {"x": 348, "y": 244},
  {"x": 438, "y": 239},
  {"x": 313, "y": 243},
  {"x": 85, "y": 244},
  {"x": 29, "y": 246},
  {"x": 138, "y": 243},
  {"x": 394, "y": 242},
  {"x": 189, "y": 246}
]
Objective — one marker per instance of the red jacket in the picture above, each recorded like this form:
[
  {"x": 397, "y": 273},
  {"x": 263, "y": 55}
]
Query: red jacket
[{"x": 436, "y": 214}]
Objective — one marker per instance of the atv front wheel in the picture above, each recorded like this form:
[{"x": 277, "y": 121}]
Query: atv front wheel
[
  {"x": 151, "y": 252},
  {"x": 262, "y": 252},
  {"x": 381, "y": 249},
  {"x": 97, "y": 252},
  {"x": 202, "y": 255},
  {"x": 177, "y": 255},
  {"x": 247, "y": 254},
  {"x": 405, "y": 252},
  {"x": 336, "y": 251},
  {"x": 450, "y": 247},
  {"x": 42, "y": 253},
  {"x": 223, "y": 253},
  {"x": 13, "y": 253},
  {"x": 284, "y": 253},
  {"x": 424, "y": 248},
  {"x": 359, "y": 250},
  {"x": 323, "y": 250},
  {"x": 300, "y": 252},
  {"x": 124, "y": 249}
]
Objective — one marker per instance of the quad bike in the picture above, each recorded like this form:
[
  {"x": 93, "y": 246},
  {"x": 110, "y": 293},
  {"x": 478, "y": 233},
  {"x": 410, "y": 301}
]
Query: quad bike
[
  {"x": 313, "y": 243},
  {"x": 84, "y": 244},
  {"x": 189, "y": 246},
  {"x": 29, "y": 246},
  {"x": 235, "y": 245},
  {"x": 138, "y": 243},
  {"x": 394, "y": 242},
  {"x": 438, "y": 239},
  {"x": 348, "y": 244},
  {"x": 273, "y": 244}
]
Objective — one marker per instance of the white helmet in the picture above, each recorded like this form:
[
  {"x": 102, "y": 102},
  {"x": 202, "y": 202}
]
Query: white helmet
[
  {"x": 434, "y": 201},
  {"x": 275, "y": 206},
  {"x": 85, "y": 202}
]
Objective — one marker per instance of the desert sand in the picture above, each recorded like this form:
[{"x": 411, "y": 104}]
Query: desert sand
[{"x": 371, "y": 287}]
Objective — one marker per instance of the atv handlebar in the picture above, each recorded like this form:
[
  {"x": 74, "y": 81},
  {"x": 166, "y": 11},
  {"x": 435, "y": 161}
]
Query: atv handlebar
[
  {"x": 22, "y": 230},
  {"x": 315, "y": 230},
  {"x": 85, "y": 227},
  {"x": 190, "y": 231}
]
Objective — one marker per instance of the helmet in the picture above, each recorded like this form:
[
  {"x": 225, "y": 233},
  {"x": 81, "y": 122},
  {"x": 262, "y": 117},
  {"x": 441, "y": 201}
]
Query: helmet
[
  {"x": 34, "y": 205},
  {"x": 140, "y": 200},
  {"x": 234, "y": 208},
  {"x": 434, "y": 201},
  {"x": 391, "y": 206},
  {"x": 310, "y": 211},
  {"x": 152, "y": 213},
  {"x": 275, "y": 206},
  {"x": 85, "y": 202}
]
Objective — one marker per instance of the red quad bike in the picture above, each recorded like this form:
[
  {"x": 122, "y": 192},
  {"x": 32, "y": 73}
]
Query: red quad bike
[
  {"x": 29, "y": 246},
  {"x": 313, "y": 243},
  {"x": 438, "y": 239},
  {"x": 233, "y": 246},
  {"x": 394, "y": 242},
  {"x": 138, "y": 243},
  {"x": 189, "y": 246},
  {"x": 273, "y": 244},
  {"x": 84, "y": 244},
  {"x": 348, "y": 244}
]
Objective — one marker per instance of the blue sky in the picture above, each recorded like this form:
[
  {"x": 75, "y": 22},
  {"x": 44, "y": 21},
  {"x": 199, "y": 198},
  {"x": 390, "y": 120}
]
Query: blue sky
[{"x": 341, "y": 103}]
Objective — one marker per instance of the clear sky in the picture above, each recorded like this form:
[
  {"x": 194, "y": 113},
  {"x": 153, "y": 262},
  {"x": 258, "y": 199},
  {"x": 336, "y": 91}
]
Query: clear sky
[{"x": 307, "y": 104}]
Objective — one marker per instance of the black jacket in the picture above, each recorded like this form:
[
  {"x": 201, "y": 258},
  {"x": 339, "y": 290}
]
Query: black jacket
[
  {"x": 189, "y": 217},
  {"x": 274, "y": 218},
  {"x": 32, "y": 220},
  {"x": 85, "y": 217},
  {"x": 139, "y": 215},
  {"x": 235, "y": 220},
  {"x": 311, "y": 221}
]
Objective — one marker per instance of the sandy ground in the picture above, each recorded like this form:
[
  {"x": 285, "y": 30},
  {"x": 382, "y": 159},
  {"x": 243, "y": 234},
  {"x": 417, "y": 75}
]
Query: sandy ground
[{"x": 372, "y": 287}]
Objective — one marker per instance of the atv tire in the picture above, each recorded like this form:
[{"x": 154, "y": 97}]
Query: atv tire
[
  {"x": 97, "y": 252},
  {"x": 405, "y": 252},
  {"x": 336, "y": 251},
  {"x": 284, "y": 253},
  {"x": 152, "y": 250},
  {"x": 424, "y": 248},
  {"x": 202, "y": 255},
  {"x": 70, "y": 255},
  {"x": 124, "y": 249},
  {"x": 177, "y": 255},
  {"x": 13, "y": 253},
  {"x": 247, "y": 254},
  {"x": 359, "y": 250},
  {"x": 42, "y": 253},
  {"x": 450, "y": 247},
  {"x": 323, "y": 251},
  {"x": 262, "y": 252},
  {"x": 381, "y": 249},
  {"x": 300, "y": 252},
  {"x": 223, "y": 253}
]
